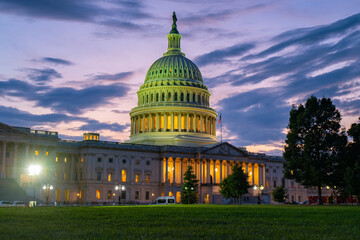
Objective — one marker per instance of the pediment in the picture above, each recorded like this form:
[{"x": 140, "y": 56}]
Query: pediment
[
  {"x": 8, "y": 129},
  {"x": 224, "y": 149}
]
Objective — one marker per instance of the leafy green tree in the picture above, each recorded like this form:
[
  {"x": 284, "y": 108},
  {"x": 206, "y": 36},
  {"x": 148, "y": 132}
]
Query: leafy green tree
[
  {"x": 279, "y": 194},
  {"x": 235, "y": 185},
  {"x": 189, "y": 188},
  {"x": 351, "y": 175},
  {"x": 314, "y": 144}
]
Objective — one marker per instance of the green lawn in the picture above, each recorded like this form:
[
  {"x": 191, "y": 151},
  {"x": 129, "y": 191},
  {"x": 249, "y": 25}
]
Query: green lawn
[{"x": 181, "y": 221}]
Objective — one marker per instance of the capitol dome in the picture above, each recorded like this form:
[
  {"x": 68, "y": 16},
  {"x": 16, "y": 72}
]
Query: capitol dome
[{"x": 173, "y": 103}]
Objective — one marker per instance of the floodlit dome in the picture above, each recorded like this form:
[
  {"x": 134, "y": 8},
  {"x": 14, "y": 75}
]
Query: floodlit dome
[{"x": 173, "y": 103}]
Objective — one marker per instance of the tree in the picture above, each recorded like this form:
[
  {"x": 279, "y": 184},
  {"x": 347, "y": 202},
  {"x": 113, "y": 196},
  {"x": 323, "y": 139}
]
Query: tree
[
  {"x": 189, "y": 188},
  {"x": 235, "y": 185},
  {"x": 314, "y": 143},
  {"x": 351, "y": 175},
  {"x": 279, "y": 194}
]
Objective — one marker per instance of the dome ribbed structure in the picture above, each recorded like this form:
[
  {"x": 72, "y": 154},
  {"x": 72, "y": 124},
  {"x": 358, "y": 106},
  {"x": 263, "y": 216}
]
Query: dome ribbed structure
[{"x": 173, "y": 103}]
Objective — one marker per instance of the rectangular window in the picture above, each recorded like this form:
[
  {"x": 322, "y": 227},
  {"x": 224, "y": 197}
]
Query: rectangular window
[
  {"x": 110, "y": 160},
  {"x": 56, "y": 159},
  {"x": 146, "y": 123},
  {"x": 109, "y": 176},
  {"x": 137, "y": 162},
  {"x": 123, "y": 175},
  {"x": 98, "y": 176},
  {"x": 137, "y": 195},
  {"x": 182, "y": 122},
  {"x": 147, "y": 195},
  {"x": 147, "y": 178},
  {"x": 36, "y": 152},
  {"x": 124, "y": 161},
  {"x": 65, "y": 160},
  {"x": 274, "y": 183},
  {"x": 137, "y": 178},
  {"x": 99, "y": 159},
  {"x": 47, "y": 153},
  {"x": 98, "y": 194},
  {"x": 148, "y": 163},
  {"x": 82, "y": 159},
  {"x": 109, "y": 195}
]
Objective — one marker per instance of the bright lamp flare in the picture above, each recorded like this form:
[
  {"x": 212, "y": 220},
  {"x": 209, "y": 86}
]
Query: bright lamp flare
[{"x": 34, "y": 169}]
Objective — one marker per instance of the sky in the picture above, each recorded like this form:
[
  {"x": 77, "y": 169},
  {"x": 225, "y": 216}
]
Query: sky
[{"x": 75, "y": 66}]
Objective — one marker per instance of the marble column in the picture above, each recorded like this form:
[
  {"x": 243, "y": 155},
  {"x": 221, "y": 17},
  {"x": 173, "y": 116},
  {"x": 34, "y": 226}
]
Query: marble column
[
  {"x": 174, "y": 171},
  {"x": 208, "y": 171},
  {"x": 3, "y": 174},
  {"x": 172, "y": 122},
  {"x": 14, "y": 168},
  {"x": 166, "y": 170},
  {"x": 227, "y": 168},
  {"x": 179, "y": 122},
  {"x": 253, "y": 173},
  {"x": 72, "y": 167},
  {"x": 181, "y": 170},
  {"x": 221, "y": 172}
]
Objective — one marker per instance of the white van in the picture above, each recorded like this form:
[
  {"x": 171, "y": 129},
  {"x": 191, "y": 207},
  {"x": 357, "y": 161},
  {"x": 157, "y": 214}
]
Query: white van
[{"x": 165, "y": 200}]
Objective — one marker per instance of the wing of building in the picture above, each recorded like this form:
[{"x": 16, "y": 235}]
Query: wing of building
[{"x": 172, "y": 127}]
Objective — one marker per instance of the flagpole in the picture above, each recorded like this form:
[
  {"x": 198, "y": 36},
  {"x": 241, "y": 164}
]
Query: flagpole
[{"x": 221, "y": 130}]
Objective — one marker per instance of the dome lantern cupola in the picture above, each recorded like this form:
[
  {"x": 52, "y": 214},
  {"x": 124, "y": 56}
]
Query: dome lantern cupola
[
  {"x": 174, "y": 40},
  {"x": 173, "y": 103}
]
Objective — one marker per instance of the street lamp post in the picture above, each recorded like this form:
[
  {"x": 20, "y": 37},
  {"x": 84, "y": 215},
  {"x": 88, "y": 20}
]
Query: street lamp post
[
  {"x": 34, "y": 170},
  {"x": 119, "y": 188},
  {"x": 48, "y": 188},
  {"x": 259, "y": 189}
]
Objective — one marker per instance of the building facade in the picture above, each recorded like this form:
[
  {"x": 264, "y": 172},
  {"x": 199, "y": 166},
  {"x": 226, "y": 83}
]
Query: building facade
[{"x": 172, "y": 127}]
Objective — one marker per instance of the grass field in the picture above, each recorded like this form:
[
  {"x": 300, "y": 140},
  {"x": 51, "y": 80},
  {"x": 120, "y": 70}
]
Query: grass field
[{"x": 181, "y": 222}]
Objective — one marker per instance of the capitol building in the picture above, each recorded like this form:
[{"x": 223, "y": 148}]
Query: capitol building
[{"x": 173, "y": 126}]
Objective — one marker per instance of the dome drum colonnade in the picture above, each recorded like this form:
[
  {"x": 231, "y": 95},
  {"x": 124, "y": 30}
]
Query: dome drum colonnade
[{"x": 173, "y": 103}]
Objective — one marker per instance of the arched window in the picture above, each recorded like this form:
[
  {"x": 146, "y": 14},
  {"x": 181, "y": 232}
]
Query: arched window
[
  {"x": 175, "y": 95},
  {"x": 182, "y": 97},
  {"x": 147, "y": 98},
  {"x": 157, "y": 97},
  {"x": 169, "y": 97},
  {"x": 193, "y": 97},
  {"x": 163, "y": 97},
  {"x": 199, "y": 98},
  {"x": 188, "y": 97}
]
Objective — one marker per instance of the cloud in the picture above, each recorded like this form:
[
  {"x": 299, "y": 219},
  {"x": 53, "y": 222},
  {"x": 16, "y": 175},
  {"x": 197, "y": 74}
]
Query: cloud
[
  {"x": 220, "y": 55},
  {"x": 76, "y": 101},
  {"x": 64, "y": 99},
  {"x": 42, "y": 75},
  {"x": 56, "y": 61},
  {"x": 109, "y": 13},
  {"x": 15, "y": 117},
  {"x": 309, "y": 36},
  {"x": 112, "y": 77},
  {"x": 93, "y": 125},
  {"x": 222, "y": 15},
  {"x": 320, "y": 61}
]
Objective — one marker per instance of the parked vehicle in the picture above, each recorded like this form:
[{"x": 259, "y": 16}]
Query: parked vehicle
[
  {"x": 165, "y": 200},
  {"x": 5, "y": 203},
  {"x": 18, "y": 204}
]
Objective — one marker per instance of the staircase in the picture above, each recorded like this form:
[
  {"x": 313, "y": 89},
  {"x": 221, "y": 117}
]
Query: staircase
[{"x": 11, "y": 191}]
